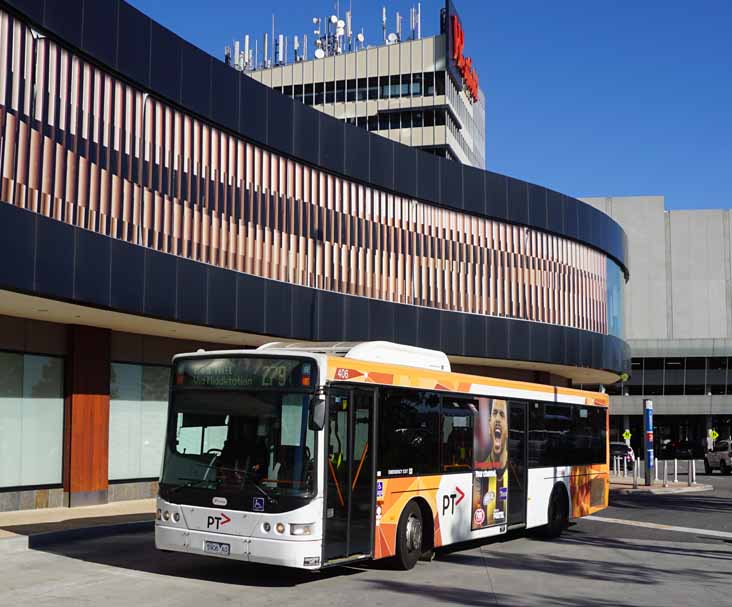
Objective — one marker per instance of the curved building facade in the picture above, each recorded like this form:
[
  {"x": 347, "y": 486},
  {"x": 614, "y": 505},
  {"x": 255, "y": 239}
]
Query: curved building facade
[{"x": 150, "y": 193}]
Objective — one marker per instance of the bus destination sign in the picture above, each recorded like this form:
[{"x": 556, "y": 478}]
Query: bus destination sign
[{"x": 244, "y": 373}]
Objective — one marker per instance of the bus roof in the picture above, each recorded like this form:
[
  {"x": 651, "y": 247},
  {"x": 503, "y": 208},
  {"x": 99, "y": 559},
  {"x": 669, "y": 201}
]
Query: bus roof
[{"x": 342, "y": 369}]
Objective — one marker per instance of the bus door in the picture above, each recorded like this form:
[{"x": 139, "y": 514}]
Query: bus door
[
  {"x": 517, "y": 457},
  {"x": 349, "y": 473}
]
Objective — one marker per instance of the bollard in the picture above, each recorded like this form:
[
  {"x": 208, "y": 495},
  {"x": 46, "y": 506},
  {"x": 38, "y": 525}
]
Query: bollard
[
  {"x": 636, "y": 474},
  {"x": 665, "y": 473},
  {"x": 625, "y": 468},
  {"x": 693, "y": 472},
  {"x": 676, "y": 470},
  {"x": 655, "y": 471},
  {"x": 688, "y": 472}
]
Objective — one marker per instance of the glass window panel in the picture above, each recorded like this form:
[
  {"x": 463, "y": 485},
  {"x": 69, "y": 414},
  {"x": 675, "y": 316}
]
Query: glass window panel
[
  {"x": 362, "y": 93},
  {"x": 615, "y": 293},
  {"x": 384, "y": 87},
  {"x": 696, "y": 371},
  {"x": 409, "y": 431},
  {"x": 653, "y": 375},
  {"x": 330, "y": 92},
  {"x": 440, "y": 83},
  {"x": 717, "y": 375},
  {"x": 11, "y": 407},
  {"x": 429, "y": 84},
  {"x": 457, "y": 434},
  {"x": 416, "y": 85},
  {"x": 373, "y": 87},
  {"x": 406, "y": 85},
  {"x": 43, "y": 412},
  {"x": 137, "y": 417},
  {"x": 31, "y": 419}
]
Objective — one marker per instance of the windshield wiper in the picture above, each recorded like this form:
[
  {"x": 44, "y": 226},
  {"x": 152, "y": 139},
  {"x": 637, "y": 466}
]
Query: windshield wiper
[{"x": 194, "y": 482}]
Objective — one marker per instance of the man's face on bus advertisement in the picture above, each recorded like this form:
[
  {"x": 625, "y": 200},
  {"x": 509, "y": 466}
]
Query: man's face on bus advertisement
[{"x": 498, "y": 427}]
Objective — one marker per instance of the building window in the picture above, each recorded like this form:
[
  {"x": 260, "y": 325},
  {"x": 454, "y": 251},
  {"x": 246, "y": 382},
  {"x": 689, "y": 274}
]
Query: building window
[
  {"x": 308, "y": 99},
  {"x": 330, "y": 92},
  {"x": 384, "y": 87},
  {"x": 363, "y": 92},
  {"x": 674, "y": 376},
  {"x": 31, "y": 419},
  {"x": 137, "y": 415},
  {"x": 429, "y": 84},
  {"x": 319, "y": 96},
  {"x": 653, "y": 376},
  {"x": 340, "y": 91},
  {"x": 439, "y": 83},
  {"x": 373, "y": 88},
  {"x": 717, "y": 375},
  {"x": 416, "y": 85},
  {"x": 695, "y": 375}
]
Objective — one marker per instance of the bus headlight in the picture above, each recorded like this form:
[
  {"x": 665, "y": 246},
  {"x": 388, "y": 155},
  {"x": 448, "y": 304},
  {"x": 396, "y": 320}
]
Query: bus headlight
[
  {"x": 166, "y": 516},
  {"x": 301, "y": 529},
  {"x": 160, "y": 514},
  {"x": 176, "y": 517},
  {"x": 280, "y": 527}
]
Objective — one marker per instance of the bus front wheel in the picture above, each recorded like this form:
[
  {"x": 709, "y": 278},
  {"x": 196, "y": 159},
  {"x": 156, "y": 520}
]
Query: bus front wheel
[{"x": 409, "y": 537}]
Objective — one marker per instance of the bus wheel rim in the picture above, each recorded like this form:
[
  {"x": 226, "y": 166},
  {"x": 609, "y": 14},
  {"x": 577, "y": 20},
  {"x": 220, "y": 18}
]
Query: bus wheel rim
[{"x": 414, "y": 533}]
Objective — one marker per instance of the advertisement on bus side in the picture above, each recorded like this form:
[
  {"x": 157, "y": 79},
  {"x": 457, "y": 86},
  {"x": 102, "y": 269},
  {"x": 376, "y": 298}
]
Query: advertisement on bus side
[{"x": 490, "y": 470}]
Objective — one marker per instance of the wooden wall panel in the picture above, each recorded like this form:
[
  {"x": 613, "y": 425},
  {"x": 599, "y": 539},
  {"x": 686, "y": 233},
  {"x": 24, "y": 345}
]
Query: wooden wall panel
[{"x": 86, "y": 428}]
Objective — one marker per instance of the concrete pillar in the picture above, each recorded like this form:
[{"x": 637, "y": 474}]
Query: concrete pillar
[{"x": 86, "y": 423}]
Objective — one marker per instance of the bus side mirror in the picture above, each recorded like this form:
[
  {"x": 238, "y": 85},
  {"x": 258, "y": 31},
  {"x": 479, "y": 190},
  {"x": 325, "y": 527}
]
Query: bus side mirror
[{"x": 316, "y": 419}]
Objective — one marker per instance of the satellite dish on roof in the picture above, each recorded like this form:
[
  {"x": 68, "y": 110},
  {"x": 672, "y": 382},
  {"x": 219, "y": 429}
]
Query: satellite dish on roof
[
  {"x": 340, "y": 23},
  {"x": 333, "y": 19},
  {"x": 319, "y": 53},
  {"x": 360, "y": 37},
  {"x": 391, "y": 38}
]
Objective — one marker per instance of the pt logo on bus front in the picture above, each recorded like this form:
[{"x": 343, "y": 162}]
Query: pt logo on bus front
[{"x": 218, "y": 521}]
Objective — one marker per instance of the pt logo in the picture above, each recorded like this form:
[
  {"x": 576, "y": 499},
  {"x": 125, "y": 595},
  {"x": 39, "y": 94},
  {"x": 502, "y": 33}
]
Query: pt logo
[
  {"x": 218, "y": 521},
  {"x": 450, "y": 501}
]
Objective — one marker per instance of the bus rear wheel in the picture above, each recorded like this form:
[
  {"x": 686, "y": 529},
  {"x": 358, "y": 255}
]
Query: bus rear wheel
[
  {"x": 409, "y": 537},
  {"x": 557, "y": 515}
]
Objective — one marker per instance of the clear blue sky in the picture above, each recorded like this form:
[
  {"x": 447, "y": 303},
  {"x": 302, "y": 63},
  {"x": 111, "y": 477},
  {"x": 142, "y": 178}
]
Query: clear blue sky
[{"x": 589, "y": 98}]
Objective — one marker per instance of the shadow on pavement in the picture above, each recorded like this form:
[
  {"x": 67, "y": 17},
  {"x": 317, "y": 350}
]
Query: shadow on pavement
[
  {"x": 453, "y": 595},
  {"x": 618, "y": 570},
  {"x": 136, "y": 551}
]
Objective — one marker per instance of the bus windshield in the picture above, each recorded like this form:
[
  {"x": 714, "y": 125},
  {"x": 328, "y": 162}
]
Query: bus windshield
[{"x": 251, "y": 449}]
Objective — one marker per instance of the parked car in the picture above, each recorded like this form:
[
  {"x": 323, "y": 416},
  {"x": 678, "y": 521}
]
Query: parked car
[
  {"x": 618, "y": 449},
  {"x": 720, "y": 457}
]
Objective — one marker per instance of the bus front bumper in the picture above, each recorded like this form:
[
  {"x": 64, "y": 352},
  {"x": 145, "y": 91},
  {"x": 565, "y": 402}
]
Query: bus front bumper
[{"x": 299, "y": 554}]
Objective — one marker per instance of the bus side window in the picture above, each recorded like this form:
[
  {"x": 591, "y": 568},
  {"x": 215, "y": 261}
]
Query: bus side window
[
  {"x": 408, "y": 432},
  {"x": 457, "y": 434}
]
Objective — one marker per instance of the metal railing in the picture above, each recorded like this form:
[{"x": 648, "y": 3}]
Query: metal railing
[{"x": 619, "y": 469}]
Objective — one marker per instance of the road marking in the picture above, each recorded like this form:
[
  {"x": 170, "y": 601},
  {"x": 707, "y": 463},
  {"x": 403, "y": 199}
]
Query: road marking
[{"x": 620, "y": 521}]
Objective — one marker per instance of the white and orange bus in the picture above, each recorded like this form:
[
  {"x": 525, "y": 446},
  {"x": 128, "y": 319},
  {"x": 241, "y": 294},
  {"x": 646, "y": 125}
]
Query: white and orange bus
[{"x": 311, "y": 455}]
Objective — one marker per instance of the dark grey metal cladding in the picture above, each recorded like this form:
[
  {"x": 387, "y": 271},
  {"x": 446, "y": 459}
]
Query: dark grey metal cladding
[
  {"x": 56, "y": 260},
  {"x": 265, "y": 117}
]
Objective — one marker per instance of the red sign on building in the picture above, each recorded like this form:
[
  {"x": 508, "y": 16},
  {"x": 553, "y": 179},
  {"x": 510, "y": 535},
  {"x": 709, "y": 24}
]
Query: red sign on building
[{"x": 464, "y": 64}]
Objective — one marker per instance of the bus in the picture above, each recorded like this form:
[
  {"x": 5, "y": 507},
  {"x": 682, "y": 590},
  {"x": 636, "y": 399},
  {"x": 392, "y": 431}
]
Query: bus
[{"x": 312, "y": 455}]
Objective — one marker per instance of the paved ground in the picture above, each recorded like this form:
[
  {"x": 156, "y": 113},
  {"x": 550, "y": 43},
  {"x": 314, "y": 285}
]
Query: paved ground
[{"x": 595, "y": 564}]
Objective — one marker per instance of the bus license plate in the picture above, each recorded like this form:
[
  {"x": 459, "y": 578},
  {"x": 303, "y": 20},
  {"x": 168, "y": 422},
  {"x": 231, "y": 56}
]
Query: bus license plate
[{"x": 217, "y": 548}]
